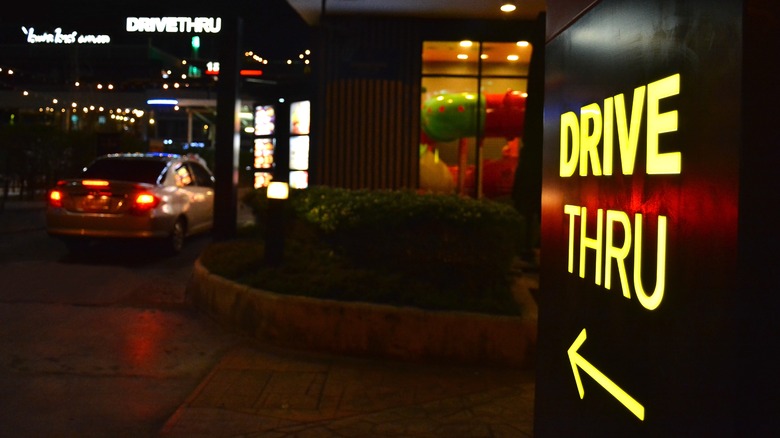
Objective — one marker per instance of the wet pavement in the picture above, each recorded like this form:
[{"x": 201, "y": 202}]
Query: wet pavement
[{"x": 258, "y": 390}]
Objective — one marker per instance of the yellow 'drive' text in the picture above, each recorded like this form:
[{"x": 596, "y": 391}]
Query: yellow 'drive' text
[{"x": 581, "y": 136}]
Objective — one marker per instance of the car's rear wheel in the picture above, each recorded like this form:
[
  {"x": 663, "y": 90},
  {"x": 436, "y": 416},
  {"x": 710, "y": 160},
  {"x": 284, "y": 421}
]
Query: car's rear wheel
[{"x": 175, "y": 241}]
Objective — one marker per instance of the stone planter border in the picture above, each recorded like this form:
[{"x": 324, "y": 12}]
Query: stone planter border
[{"x": 364, "y": 329}]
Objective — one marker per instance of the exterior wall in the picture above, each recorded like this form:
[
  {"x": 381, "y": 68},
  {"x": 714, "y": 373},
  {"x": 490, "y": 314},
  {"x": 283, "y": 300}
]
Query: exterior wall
[{"x": 368, "y": 124}]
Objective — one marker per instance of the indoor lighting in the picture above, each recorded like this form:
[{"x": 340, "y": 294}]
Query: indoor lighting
[{"x": 508, "y": 6}]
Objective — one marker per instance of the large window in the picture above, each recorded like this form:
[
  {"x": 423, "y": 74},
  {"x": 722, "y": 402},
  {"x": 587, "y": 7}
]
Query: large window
[{"x": 472, "y": 115}]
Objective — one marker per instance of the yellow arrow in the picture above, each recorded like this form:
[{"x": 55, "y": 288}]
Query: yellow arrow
[{"x": 578, "y": 361}]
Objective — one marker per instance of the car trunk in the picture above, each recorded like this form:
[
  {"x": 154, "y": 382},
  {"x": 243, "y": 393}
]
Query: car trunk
[{"x": 104, "y": 197}]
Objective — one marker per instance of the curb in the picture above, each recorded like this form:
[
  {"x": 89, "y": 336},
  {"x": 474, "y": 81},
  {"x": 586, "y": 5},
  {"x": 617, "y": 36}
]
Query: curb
[{"x": 364, "y": 329}]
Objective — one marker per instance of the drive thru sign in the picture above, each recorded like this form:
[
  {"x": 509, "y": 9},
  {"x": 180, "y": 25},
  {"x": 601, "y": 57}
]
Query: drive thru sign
[{"x": 640, "y": 283}]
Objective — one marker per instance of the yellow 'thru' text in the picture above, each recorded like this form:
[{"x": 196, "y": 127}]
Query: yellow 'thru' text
[{"x": 608, "y": 253}]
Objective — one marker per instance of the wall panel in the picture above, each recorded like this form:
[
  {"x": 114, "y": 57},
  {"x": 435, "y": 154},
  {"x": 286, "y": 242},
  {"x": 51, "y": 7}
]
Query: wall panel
[{"x": 369, "y": 121}]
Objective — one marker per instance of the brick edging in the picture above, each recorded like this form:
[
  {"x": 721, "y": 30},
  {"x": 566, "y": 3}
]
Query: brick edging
[{"x": 361, "y": 328}]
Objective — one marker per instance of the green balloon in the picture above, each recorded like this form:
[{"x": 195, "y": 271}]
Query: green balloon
[{"x": 451, "y": 116}]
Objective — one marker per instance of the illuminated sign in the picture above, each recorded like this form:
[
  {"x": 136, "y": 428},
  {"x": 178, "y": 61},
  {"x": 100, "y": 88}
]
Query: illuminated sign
[
  {"x": 579, "y": 142},
  {"x": 581, "y": 138},
  {"x": 212, "y": 69},
  {"x": 578, "y": 362},
  {"x": 585, "y": 142},
  {"x": 162, "y": 101},
  {"x": 174, "y": 24},
  {"x": 60, "y": 37},
  {"x": 250, "y": 72},
  {"x": 640, "y": 223}
]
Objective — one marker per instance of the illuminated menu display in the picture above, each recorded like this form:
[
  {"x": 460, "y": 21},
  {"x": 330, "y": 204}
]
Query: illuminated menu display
[
  {"x": 300, "y": 123},
  {"x": 264, "y": 144},
  {"x": 277, "y": 138},
  {"x": 265, "y": 120}
]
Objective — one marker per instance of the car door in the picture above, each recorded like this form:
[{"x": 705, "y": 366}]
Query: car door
[
  {"x": 203, "y": 197},
  {"x": 188, "y": 189}
]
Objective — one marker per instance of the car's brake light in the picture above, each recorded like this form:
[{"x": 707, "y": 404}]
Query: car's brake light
[
  {"x": 145, "y": 201},
  {"x": 55, "y": 198},
  {"x": 94, "y": 183}
]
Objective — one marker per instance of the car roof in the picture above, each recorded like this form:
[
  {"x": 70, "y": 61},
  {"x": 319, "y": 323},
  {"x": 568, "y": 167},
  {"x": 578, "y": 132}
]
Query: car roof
[
  {"x": 155, "y": 156},
  {"x": 160, "y": 157},
  {"x": 146, "y": 155}
]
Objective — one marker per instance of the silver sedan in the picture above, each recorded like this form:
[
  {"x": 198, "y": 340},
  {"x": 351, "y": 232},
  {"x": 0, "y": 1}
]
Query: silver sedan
[{"x": 152, "y": 196}]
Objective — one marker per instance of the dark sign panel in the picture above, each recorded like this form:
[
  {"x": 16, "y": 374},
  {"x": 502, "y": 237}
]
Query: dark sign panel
[{"x": 642, "y": 126}]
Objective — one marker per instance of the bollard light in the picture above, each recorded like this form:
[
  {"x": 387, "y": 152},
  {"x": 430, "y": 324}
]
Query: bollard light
[
  {"x": 277, "y": 194},
  {"x": 278, "y": 190}
]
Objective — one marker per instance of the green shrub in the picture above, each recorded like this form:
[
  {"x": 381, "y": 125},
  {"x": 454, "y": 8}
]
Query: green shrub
[
  {"x": 310, "y": 269},
  {"x": 420, "y": 245},
  {"x": 403, "y": 227}
]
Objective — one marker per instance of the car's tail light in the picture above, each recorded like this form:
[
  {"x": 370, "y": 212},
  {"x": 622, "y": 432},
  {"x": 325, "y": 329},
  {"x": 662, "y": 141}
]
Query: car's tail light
[
  {"x": 145, "y": 201},
  {"x": 94, "y": 183},
  {"x": 55, "y": 198}
]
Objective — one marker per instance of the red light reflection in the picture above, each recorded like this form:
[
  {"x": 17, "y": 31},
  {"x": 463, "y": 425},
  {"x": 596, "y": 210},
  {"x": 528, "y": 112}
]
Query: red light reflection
[{"x": 144, "y": 340}]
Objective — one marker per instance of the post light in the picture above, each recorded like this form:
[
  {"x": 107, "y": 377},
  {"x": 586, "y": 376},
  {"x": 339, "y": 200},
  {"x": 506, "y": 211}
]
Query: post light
[
  {"x": 277, "y": 194},
  {"x": 278, "y": 190}
]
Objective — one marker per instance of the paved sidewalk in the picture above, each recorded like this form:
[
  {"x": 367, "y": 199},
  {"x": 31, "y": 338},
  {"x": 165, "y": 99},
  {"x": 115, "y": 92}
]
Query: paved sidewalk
[
  {"x": 265, "y": 391},
  {"x": 259, "y": 391}
]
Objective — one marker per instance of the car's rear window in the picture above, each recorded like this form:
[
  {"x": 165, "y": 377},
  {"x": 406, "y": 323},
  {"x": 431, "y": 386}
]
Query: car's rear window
[{"x": 142, "y": 171}]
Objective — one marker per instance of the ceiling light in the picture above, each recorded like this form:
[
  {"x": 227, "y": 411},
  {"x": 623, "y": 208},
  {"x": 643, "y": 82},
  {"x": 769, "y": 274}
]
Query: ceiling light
[{"x": 508, "y": 6}]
